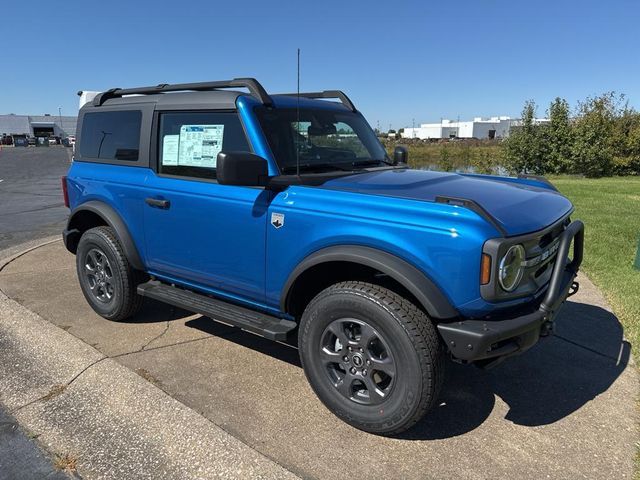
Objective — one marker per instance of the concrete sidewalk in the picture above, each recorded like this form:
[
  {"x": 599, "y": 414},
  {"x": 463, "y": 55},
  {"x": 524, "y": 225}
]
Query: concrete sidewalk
[
  {"x": 113, "y": 422},
  {"x": 566, "y": 409}
]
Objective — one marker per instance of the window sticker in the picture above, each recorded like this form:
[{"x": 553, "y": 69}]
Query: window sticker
[
  {"x": 199, "y": 145},
  {"x": 170, "y": 146}
]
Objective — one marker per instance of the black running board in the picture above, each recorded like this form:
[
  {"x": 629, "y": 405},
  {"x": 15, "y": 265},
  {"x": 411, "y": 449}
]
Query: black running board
[{"x": 273, "y": 328}]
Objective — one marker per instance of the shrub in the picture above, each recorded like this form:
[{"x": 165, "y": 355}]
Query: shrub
[
  {"x": 524, "y": 148},
  {"x": 558, "y": 135},
  {"x": 445, "y": 162},
  {"x": 593, "y": 148}
]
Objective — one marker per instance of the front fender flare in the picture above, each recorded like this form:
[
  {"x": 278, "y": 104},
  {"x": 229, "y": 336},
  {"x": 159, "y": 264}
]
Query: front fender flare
[
  {"x": 112, "y": 219},
  {"x": 428, "y": 293}
]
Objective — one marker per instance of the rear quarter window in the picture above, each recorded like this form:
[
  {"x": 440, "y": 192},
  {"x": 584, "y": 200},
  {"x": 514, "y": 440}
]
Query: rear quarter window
[{"x": 113, "y": 135}]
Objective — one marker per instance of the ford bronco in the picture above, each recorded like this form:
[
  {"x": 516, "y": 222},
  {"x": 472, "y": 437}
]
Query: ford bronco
[{"x": 283, "y": 215}]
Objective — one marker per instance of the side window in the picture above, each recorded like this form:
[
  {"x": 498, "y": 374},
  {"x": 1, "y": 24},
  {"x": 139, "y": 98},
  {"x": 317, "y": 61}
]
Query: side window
[
  {"x": 111, "y": 135},
  {"x": 189, "y": 143}
]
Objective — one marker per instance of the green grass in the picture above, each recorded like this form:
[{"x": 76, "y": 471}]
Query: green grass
[{"x": 610, "y": 210}]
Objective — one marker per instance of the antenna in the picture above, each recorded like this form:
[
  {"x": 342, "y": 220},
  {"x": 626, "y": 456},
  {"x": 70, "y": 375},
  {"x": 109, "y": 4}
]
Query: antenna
[{"x": 298, "y": 121}]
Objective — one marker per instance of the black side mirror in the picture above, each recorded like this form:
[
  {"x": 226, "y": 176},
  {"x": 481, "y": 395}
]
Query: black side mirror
[
  {"x": 400, "y": 155},
  {"x": 241, "y": 168}
]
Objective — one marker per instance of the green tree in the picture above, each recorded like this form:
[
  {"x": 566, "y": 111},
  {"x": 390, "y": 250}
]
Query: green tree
[
  {"x": 558, "y": 136},
  {"x": 594, "y": 146},
  {"x": 524, "y": 148},
  {"x": 626, "y": 143}
]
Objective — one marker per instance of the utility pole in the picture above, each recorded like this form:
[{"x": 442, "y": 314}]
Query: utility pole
[
  {"x": 60, "y": 117},
  {"x": 413, "y": 127}
]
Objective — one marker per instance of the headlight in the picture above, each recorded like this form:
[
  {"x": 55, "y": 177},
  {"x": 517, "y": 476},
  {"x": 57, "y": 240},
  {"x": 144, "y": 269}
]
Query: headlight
[{"x": 511, "y": 268}]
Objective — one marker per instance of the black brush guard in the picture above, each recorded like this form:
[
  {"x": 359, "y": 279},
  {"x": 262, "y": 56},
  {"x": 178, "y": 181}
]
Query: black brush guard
[{"x": 477, "y": 340}]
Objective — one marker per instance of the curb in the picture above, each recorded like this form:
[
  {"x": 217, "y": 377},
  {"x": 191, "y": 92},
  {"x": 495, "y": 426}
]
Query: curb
[
  {"x": 116, "y": 424},
  {"x": 10, "y": 254}
]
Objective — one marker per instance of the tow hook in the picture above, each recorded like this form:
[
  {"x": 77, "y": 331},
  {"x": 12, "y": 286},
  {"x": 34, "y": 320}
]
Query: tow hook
[
  {"x": 575, "y": 286},
  {"x": 547, "y": 328}
]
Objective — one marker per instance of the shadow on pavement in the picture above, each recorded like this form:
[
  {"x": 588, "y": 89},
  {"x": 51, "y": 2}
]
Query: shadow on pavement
[
  {"x": 154, "y": 311},
  {"x": 280, "y": 351},
  {"x": 549, "y": 382}
]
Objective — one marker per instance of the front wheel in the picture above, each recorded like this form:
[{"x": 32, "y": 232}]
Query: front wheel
[{"x": 372, "y": 357}]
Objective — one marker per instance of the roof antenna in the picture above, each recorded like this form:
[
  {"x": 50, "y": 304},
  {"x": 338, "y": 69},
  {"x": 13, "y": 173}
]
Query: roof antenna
[{"x": 298, "y": 121}]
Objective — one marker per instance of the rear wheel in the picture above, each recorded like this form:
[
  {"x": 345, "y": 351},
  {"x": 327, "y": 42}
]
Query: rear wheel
[
  {"x": 107, "y": 280},
  {"x": 372, "y": 357}
]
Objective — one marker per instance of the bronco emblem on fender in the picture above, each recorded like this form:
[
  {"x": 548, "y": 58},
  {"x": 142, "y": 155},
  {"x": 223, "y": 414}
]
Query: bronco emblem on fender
[{"x": 277, "y": 219}]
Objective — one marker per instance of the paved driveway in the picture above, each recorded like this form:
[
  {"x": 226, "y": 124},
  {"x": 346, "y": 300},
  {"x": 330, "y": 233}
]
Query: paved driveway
[
  {"x": 30, "y": 193},
  {"x": 566, "y": 409}
]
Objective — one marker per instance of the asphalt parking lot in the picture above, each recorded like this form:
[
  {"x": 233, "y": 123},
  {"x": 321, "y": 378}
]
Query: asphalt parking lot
[
  {"x": 563, "y": 410},
  {"x": 30, "y": 193}
]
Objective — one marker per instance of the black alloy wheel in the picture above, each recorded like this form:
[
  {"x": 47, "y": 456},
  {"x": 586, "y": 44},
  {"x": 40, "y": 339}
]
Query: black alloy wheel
[
  {"x": 373, "y": 358},
  {"x": 107, "y": 279}
]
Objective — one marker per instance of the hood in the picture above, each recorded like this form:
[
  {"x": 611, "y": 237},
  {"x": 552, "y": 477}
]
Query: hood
[{"x": 518, "y": 208}]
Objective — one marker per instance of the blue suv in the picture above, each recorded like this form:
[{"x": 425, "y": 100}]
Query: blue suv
[{"x": 284, "y": 216}]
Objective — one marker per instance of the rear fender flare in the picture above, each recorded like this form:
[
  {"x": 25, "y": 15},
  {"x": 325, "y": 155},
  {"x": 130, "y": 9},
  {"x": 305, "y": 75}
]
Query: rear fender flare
[{"x": 113, "y": 220}]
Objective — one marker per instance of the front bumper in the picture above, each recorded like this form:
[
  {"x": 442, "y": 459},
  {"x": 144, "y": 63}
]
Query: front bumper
[{"x": 479, "y": 340}]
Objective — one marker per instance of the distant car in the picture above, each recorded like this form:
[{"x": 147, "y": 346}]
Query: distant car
[
  {"x": 69, "y": 141},
  {"x": 53, "y": 141}
]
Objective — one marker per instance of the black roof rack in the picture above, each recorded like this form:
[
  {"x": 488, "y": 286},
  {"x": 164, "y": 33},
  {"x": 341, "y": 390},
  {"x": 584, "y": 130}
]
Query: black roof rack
[
  {"x": 250, "y": 84},
  {"x": 327, "y": 94}
]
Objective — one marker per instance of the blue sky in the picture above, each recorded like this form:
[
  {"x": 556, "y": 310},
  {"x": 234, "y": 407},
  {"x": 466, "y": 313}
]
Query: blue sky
[{"x": 396, "y": 60}]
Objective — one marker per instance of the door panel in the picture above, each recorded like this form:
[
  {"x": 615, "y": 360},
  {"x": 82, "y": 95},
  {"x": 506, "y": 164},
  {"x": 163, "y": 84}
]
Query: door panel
[
  {"x": 209, "y": 234},
  {"x": 197, "y": 231}
]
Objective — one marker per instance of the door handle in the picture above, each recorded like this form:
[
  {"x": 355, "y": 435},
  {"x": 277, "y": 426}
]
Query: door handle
[{"x": 157, "y": 202}]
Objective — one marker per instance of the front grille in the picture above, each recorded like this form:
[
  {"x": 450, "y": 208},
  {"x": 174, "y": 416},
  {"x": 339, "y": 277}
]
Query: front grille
[
  {"x": 545, "y": 240},
  {"x": 555, "y": 232},
  {"x": 541, "y": 249},
  {"x": 542, "y": 269}
]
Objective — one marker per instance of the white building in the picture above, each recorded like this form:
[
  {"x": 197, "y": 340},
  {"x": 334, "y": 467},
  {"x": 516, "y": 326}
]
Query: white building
[{"x": 494, "y": 127}]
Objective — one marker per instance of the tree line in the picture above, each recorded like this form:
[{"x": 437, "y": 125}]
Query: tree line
[{"x": 601, "y": 137}]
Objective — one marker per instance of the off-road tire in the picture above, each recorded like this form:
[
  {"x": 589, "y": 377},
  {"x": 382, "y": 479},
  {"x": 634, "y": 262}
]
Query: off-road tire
[
  {"x": 124, "y": 301},
  {"x": 411, "y": 338}
]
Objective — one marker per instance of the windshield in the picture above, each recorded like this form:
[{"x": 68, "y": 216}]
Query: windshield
[{"x": 325, "y": 140}]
